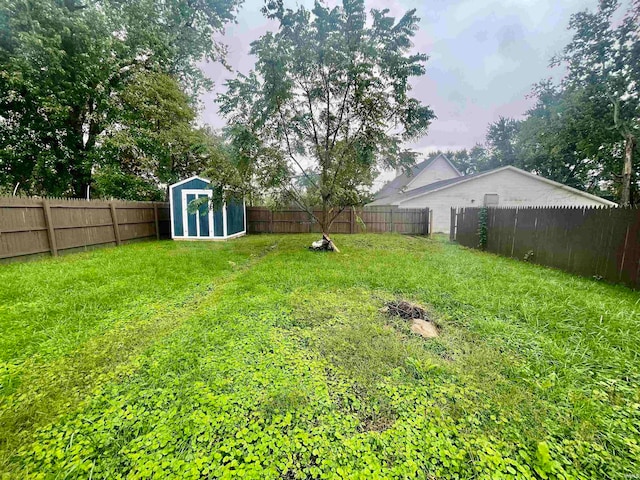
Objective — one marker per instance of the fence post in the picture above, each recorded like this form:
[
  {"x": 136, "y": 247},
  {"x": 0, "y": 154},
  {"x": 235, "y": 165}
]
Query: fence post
[
  {"x": 270, "y": 221},
  {"x": 452, "y": 226},
  {"x": 391, "y": 220},
  {"x": 426, "y": 230},
  {"x": 53, "y": 246},
  {"x": 352, "y": 220},
  {"x": 155, "y": 216},
  {"x": 430, "y": 223},
  {"x": 114, "y": 219},
  {"x": 515, "y": 229}
]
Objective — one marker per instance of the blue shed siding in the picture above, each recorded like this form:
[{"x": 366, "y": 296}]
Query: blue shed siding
[
  {"x": 235, "y": 217},
  {"x": 218, "y": 227},
  {"x": 194, "y": 184},
  {"x": 234, "y": 213}
]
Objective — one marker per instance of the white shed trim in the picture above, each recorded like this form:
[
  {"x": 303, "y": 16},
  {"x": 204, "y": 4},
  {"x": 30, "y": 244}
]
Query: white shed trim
[
  {"x": 195, "y": 177},
  {"x": 185, "y": 206}
]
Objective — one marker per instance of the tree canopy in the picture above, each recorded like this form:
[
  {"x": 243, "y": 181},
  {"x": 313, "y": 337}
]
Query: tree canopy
[
  {"x": 603, "y": 74},
  {"x": 330, "y": 94},
  {"x": 69, "y": 72}
]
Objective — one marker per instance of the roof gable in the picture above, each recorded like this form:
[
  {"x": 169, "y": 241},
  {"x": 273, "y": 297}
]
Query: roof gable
[
  {"x": 438, "y": 169},
  {"x": 195, "y": 177},
  {"x": 403, "y": 182}
]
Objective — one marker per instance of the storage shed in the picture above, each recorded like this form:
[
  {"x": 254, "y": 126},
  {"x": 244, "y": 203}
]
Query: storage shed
[{"x": 228, "y": 221}]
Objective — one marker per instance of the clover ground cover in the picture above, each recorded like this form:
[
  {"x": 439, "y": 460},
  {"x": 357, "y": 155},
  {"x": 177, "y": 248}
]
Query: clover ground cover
[{"x": 260, "y": 359}]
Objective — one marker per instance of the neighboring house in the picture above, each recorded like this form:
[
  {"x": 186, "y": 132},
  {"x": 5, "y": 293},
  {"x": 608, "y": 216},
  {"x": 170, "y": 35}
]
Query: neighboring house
[
  {"x": 424, "y": 173},
  {"x": 226, "y": 221},
  {"x": 437, "y": 184}
]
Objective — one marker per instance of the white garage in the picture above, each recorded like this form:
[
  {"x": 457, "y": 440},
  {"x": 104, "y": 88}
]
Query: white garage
[{"x": 437, "y": 184}]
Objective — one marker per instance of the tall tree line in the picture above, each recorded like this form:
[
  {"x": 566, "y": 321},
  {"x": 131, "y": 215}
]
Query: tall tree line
[{"x": 102, "y": 93}]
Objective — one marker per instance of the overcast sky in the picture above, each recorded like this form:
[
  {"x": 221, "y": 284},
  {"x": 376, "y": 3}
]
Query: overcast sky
[{"x": 484, "y": 57}]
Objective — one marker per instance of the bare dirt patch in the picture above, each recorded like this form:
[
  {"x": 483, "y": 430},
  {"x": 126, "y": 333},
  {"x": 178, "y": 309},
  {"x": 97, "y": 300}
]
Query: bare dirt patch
[
  {"x": 421, "y": 323},
  {"x": 424, "y": 328}
]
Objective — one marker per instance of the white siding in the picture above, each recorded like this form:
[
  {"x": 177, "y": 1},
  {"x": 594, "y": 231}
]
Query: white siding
[
  {"x": 437, "y": 170},
  {"x": 513, "y": 188}
]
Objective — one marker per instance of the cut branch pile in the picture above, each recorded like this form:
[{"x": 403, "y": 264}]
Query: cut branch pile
[
  {"x": 324, "y": 245},
  {"x": 406, "y": 310}
]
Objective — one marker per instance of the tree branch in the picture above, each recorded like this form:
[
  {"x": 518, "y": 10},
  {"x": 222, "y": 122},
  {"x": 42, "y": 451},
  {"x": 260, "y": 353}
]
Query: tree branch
[
  {"x": 344, "y": 101},
  {"x": 328, "y": 119},
  {"x": 313, "y": 119},
  {"x": 296, "y": 198},
  {"x": 305, "y": 89},
  {"x": 286, "y": 136},
  {"x": 333, "y": 219}
]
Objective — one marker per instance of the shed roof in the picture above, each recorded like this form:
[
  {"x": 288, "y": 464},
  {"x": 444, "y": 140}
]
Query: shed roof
[{"x": 195, "y": 177}]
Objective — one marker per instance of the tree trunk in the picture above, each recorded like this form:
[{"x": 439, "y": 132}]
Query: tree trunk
[
  {"x": 325, "y": 225},
  {"x": 325, "y": 218},
  {"x": 627, "y": 171},
  {"x": 80, "y": 185}
]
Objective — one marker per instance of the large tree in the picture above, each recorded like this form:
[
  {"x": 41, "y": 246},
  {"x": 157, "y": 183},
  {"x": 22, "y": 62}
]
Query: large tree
[
  {"x": 65, "y": 64},
  {"x": 153, "y": 139},
  {"x": 502, "y": 144},
  {"x": 603, "y": 61},
  {"x": 567, "y": 137},
  {"x": 330, "y": 92}
]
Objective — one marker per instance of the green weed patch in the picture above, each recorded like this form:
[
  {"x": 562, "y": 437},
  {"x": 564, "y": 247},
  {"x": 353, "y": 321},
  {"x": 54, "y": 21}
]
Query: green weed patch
[{"x": 275, "y": 362}]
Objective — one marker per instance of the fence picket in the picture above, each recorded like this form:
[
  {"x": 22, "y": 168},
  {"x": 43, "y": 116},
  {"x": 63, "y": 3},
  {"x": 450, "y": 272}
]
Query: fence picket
[
  {"x": 588, "y": 241},
  {"x": 30, "y": 226},
  {"x": 50, "y": 229},
  {"x": 413, "y": 221}
]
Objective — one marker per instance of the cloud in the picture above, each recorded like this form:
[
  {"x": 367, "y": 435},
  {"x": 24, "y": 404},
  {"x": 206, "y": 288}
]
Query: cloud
[{"x": 484, "y": 57}]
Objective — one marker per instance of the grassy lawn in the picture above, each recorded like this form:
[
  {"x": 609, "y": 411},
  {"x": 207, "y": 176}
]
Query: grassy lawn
[{"x": 258, "y": 358}]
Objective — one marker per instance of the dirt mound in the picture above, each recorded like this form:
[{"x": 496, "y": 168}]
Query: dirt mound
[{"x": 423, "y": 328}]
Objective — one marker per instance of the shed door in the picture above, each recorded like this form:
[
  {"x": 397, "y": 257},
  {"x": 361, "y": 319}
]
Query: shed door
[{"x": 197, "y": 224}]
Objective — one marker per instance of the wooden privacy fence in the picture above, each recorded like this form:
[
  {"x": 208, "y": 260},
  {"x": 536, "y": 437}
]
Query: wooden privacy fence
[
  {"x": 30, "y": 226},
  {"x": 593, "y": 242},
  {"x": 369, "y": 219}
]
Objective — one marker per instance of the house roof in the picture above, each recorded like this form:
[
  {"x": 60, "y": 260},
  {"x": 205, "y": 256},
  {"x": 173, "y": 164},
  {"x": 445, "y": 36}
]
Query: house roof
[
  {"x": 443, "y": 184},
  {"x": 399, "y": 184}
]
